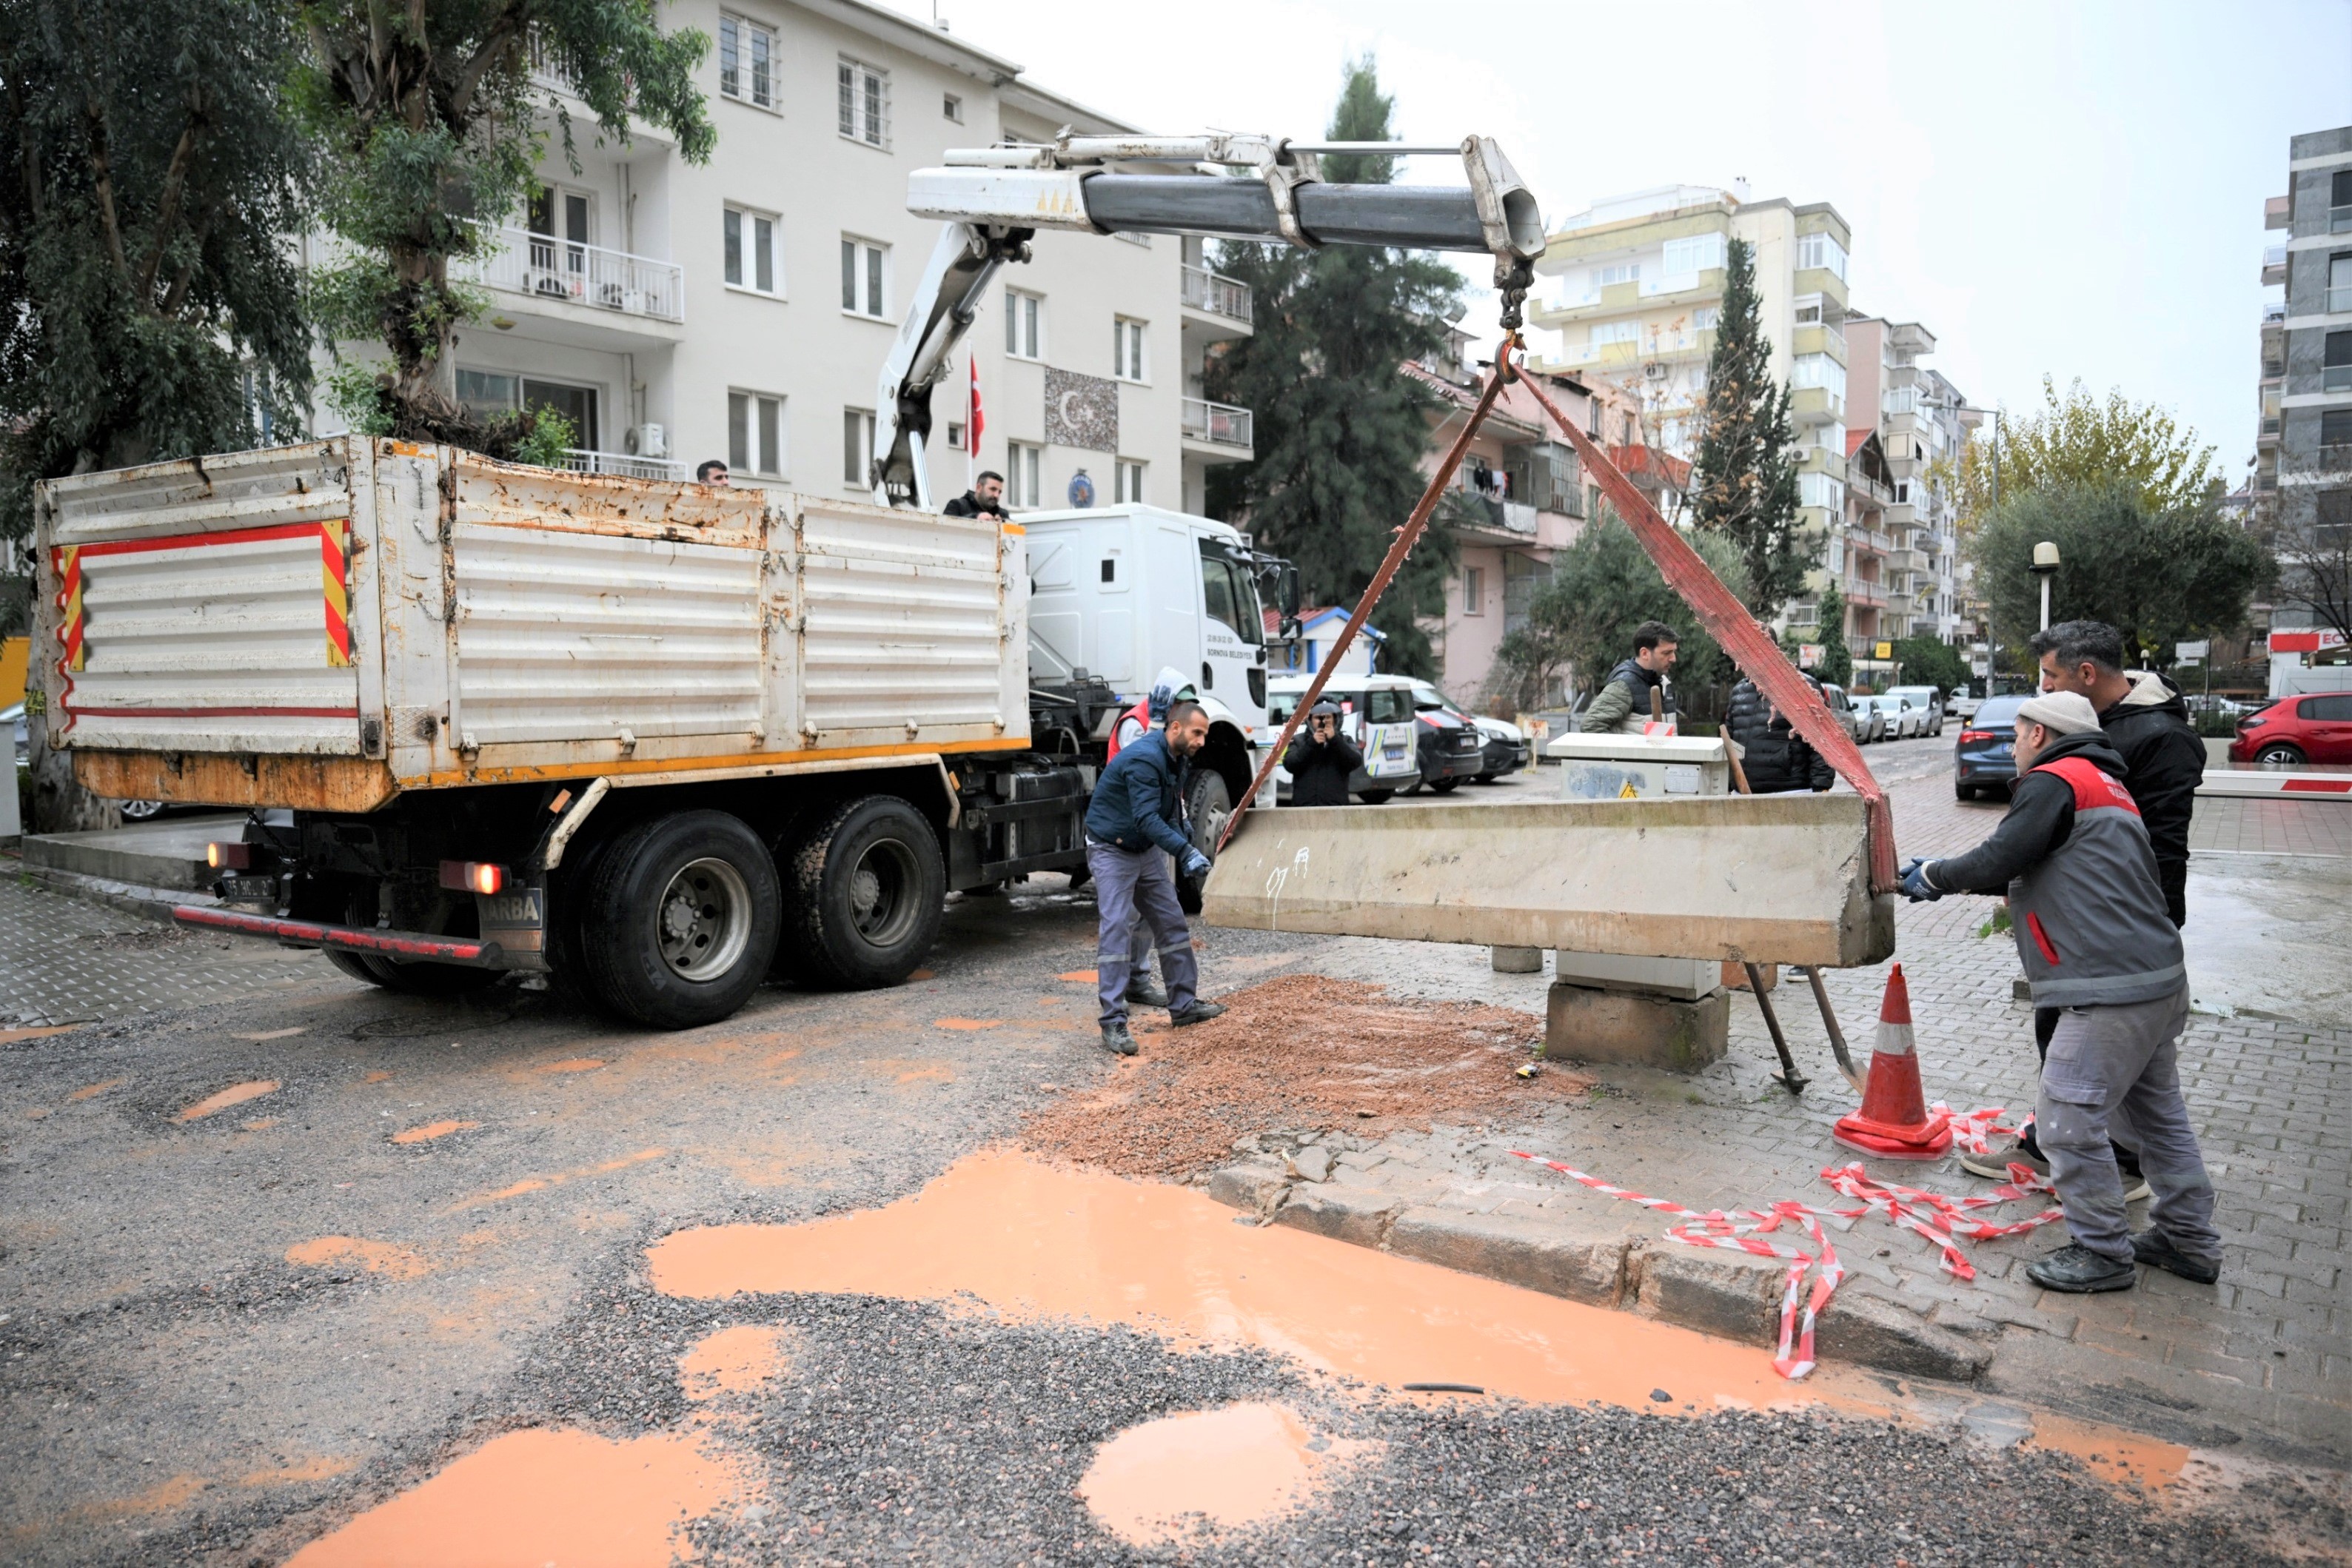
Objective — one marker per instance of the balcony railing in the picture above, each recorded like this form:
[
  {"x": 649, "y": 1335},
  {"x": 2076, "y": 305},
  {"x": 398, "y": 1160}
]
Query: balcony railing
[
  {"x": 2336, "y": 378},
  {"x": 560, "y": 270},
  {"x": 2273, "y": 314},
  {"x": 1218, "y": 424},
  {"x": 2339, "y": 220},
  {"x": 622, "y": 466},
  {"x": 2340, "y": 301},
  {"x": 1217, "y": 294}
]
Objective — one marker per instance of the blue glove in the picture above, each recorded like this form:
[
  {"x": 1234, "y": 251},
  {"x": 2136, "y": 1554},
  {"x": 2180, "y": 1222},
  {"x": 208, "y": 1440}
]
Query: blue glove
[
  {"x": 1196, "y": 865},
  {"x": 1915, "y": 886}
]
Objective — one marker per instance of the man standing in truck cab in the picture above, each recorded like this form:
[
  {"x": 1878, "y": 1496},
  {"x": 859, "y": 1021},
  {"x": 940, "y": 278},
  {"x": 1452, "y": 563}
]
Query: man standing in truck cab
[
  {"x": 1135, "y": 822},
  {"x": 985, "y": 498}
]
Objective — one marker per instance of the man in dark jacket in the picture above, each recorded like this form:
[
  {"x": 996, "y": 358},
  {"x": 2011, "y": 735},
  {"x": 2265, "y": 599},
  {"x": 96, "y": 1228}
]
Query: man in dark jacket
[
  {"x": 985, "y": 498},
  {"x": 1134, "y": 822},
  {"x": 1321, "y": 760},
  {"x": 1623, "y": 703},
  {"x": 1775, "y": 758},
  {"x": 2098, "y": 946}
]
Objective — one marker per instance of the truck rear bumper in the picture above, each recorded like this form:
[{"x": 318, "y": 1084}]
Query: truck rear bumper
[{"x": 396, "y": 945}]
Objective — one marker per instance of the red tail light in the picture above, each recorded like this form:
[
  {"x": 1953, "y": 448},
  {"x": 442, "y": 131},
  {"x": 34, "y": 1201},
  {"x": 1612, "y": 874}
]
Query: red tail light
[
  {"x": 473, "y": 876},
  {"x": 1968, "y": 735},
  {"x": 228, "y": 857}
]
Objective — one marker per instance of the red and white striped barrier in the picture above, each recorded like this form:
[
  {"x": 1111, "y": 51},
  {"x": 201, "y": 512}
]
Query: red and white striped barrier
[
  {"x": 2273, "y": 784},
  {"x": 1942, "y": 1220}
]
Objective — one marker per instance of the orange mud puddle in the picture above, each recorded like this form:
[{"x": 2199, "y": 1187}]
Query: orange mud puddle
[
  {"x": 1243, "y": 1465},
  {"x": 236, "y": 1094},
  {"x": 734, "y": 1360},
  {"x": 10, "y": 1036},
  {"x": 91, "y": 1091},
  {"x": 538, "y": 1497},
  {"x": 2109, "y": 1452},
  {"x": 1080, "y": 976},
  {"x": 967, "y": 1023},
  {"x": 384, "y": 1258},
  {"x": 541, "y": 1183},
  {"x": 431, "y": 1130},
  {"x": 572, "y": 1064},
  {"x": 377, "y": 1075},
  {"x": 1035, "y": 1240}
]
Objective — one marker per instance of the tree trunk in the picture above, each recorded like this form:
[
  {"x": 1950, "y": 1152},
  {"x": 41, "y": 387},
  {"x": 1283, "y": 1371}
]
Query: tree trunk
[{"x": 59, "y": 802}]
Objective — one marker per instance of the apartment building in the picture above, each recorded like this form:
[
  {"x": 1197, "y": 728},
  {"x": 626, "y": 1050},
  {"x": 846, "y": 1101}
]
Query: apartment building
[
  {"x": 2304, "y": 465},
  {"x": 742, "y": 310},
  {"x": 2261, "y": 502},
  {"x": 1636, "y": 288}
]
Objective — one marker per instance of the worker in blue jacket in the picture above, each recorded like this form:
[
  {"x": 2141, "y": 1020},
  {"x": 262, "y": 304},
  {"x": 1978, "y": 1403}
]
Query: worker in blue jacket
[{"x": 1134, "y": 823}]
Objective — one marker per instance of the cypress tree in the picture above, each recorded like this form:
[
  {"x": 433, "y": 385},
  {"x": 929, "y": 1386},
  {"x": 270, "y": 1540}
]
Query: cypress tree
[
  {"x": 1338, "y": 433},
  {"x": 1744, "y": 480}
]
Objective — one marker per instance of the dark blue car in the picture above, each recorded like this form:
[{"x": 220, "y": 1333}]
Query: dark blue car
[{"x": 1985, "y": 759}]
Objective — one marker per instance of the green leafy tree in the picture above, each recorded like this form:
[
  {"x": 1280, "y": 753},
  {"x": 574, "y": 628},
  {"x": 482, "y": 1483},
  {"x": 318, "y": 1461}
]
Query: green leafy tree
[
  {"x": 1601, "y": 587},
  {"x": 1837, "y": 660},
  {"x": 149, "y": 306},
  {"x": 2076, "y": 442},
  {"x": 2155, "y": 576},
  {"x": 1925, "y": 659},
  {"x": 1339, "y": 434},
  {"x": 436, "y": 125},
  {"x": 1744, "y": 480}
]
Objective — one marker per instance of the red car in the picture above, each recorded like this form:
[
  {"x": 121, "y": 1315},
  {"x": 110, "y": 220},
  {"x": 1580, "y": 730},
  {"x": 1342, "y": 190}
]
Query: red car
[{"x": 2295, "y": 729}]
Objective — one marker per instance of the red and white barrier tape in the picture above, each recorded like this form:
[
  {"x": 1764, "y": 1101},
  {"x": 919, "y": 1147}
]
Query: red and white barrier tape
[{"x": 1944, "y": 1221}]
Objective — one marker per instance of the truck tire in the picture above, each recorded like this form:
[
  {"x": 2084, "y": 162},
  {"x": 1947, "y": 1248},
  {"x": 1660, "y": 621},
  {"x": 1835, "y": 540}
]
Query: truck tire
[
  {"x": 1376, "y": 797},
  {"x": 866, "y": 887},
  {"x": 1208, "y": 807},
  {"x": 680, "y": 919}
]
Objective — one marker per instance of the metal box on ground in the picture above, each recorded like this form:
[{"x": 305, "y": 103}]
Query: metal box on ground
[{"x": 1636, "y": 767}]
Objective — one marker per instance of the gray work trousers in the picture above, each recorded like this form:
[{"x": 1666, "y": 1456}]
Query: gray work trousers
[
  {"x": 2118, "y": 1067},
  {"x": 1128, "y": 884}
]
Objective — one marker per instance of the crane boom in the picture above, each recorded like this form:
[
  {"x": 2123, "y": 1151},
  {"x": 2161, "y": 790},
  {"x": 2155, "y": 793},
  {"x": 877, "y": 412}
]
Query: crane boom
[{"x": 992, "y": 200}]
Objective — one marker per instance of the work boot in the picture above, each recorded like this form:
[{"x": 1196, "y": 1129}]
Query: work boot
[
  {"x": 2077, "y": 1270},
  {"x": 2155, "y": 1248},
  {"x": 1145, "y": 992},
  {"x": 1117, "y": 1041},
  {"x": 1996, "y": 1163},
  {"x": 1198, "y": 1012}
]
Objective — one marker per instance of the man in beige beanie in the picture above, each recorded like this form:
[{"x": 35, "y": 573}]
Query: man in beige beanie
[{"x": 2097, "y": 943}]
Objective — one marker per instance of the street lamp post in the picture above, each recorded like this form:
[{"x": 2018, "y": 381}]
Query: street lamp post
[{"x": 2045, "y": 567}]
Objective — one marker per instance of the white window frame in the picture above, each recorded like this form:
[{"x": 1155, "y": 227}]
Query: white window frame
[
  {"x": 736, "y": 34},
  {"x": 1130, "y": 349},
  {"x": 1819, "y": 370},
  {"x": 1129, "y": 479},
  {"x": 1024, "y": 324},
  {"x": 1474, "y": 590},
  {"x": 1710, "y": 257},
  {"x": 869, "y": 264},
  {"x": 759, "y": 419},
  {"x": 1024, "y": 465},
  {"x": 1625, "y": 272},
  {"x": 1821, "y": 249},
  {"x": 857, "y": 447},
  {"x": 1605, "y": 332},
  {"x": 749, "y": 221},
  {"x": 861, "y": 103},
  {"x": 952, "y": 107}
]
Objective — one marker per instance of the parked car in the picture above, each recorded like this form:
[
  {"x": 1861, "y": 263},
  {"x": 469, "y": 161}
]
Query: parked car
[
  {"x": 2297, "y": 729},
  {"x": 14, "y": 719},
  {"x": 1842, "y": 708},
  {"x": 1984, "y": 759},
  {"x": 1376, "y": 711},
  {"x": 1929, "y": 702},
  {"x": 1507, "y": 747},
  {"x": 1452, "y": 748},
  {"x": 1869, "y": 723},
  {"x": 1897, "y": 719}
]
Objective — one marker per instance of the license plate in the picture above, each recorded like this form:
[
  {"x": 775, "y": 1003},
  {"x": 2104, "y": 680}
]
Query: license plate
[
  {"x": 1393, "y": 753},
  {"x": 248, "y": 889}
]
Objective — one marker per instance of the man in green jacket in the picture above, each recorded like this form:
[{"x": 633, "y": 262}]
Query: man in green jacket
[{"x": 1623, "y": 703}]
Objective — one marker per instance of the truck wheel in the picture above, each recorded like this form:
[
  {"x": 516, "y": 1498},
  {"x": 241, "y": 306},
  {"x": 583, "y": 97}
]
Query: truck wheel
[
  {"x": 866, "y": 886},
  {"x": 680, "y": 920},
  {"x": 1443, "y": 786},
  {"x": 1208, "y": 807},
  {"x": 1375, "y": 796}
]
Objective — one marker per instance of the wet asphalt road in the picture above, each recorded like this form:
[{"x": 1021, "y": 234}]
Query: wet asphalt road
[{"x": 224, "y": 1336}]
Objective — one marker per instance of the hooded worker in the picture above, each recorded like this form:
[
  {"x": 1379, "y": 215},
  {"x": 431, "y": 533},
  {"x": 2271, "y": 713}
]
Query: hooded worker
[
  {"x": 2099, "y": 947},
  {"x": 1321, "y": 760},
  {"x": 1168, "y": 689}
]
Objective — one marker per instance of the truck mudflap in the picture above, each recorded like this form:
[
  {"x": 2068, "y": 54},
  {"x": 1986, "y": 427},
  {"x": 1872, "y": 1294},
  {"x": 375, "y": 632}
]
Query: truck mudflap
[{"x": 394, "y": 944}]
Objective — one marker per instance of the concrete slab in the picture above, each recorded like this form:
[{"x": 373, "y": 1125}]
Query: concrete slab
[
  {"x": 1767, "y": 878},
  {"x": 1635, "y": 1028},
  {"x": 167, "y": 853}
]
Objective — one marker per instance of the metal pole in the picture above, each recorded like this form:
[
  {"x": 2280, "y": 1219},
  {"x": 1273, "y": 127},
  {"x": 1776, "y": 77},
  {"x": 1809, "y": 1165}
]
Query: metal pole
[{"x": 2045, "y": 601}]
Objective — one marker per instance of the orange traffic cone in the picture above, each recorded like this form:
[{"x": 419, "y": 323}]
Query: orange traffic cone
[{"x": 1893, "y": 1122}]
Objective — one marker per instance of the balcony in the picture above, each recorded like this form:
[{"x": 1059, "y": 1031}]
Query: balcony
[
  {"x": 620, "y": 465},
  {"x": 605, "y": 292},
  {"x": 1220, "y": 427},
  {"x": 1817, "y": 405},
  {"x": 1863, "y": 593},
  {"x": 2274, "y": 264},
  {"x": 2275, "y": 315},
  {"x": 2336, "y": 378},
  {"x": 1216, "y": 294},
  {"x": 2340, "y": 301},
  {"x": 2339, "y": 220},
  {"x": 2276, "y": 211}
]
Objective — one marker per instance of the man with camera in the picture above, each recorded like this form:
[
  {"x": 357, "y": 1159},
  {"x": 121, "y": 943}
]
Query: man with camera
[{"x": 1321, "y": 761}]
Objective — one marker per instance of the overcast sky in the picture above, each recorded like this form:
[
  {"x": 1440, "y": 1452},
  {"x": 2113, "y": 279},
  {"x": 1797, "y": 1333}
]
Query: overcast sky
[{"x": 2068, "y": 189}]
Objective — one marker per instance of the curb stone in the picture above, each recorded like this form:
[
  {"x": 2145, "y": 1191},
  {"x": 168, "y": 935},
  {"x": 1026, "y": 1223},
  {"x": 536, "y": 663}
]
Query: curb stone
[{"x": 1344, "y": 1214}]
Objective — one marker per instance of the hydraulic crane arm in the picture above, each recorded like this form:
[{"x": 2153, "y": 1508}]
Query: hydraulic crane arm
[{"x": 994, "y": 199}]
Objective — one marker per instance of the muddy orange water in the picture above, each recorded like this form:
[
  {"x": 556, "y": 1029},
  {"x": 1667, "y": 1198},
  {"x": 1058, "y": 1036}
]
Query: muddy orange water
[
  {"x": 431, "y": 1130},
  {"x": 1028, "y": 1238},
  {"x": 236, "y": 1094},
  {"x": 384, "y": 1258},
  {"x": 541, "y": 1496},
  {"x": 1230, "y": 1467}
]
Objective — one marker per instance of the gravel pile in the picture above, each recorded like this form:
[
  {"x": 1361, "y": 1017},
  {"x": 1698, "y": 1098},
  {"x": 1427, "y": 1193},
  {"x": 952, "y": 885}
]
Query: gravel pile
[{"x": 1301, "y": 1051}]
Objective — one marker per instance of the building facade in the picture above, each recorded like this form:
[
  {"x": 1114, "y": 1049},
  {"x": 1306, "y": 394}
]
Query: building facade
[
  {"x": 742, "y": 310},
  {"x": 2305, "y": 463}
]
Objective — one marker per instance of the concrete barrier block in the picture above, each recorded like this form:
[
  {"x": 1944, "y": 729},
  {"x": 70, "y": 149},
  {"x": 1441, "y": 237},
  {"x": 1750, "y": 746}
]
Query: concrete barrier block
[
  {"x": 1517, "y": 960},
  {"x": 1634, "y": 1029},
  {"x": 1732, "y": 1294},
  {"x": 1517, "y": 1251},
  {"x": 1884, "y": 1334},
  {"x": 1343, "y": 1214}
]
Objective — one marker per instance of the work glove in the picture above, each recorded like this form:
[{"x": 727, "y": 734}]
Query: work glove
[
  {"x": 1196, "y": 864},
  {"x": 1915, "y": 886}
]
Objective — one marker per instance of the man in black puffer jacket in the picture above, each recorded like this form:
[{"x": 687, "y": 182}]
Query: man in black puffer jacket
[{"x": 1776, "y": 759}]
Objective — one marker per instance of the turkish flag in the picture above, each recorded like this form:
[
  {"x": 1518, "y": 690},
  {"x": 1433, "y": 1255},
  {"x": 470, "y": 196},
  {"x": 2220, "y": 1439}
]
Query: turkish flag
[{"x": 973, "y": 425}]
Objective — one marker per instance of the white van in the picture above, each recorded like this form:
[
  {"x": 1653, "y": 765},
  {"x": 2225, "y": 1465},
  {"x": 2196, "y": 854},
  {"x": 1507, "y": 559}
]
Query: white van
[{"x": 1376, "y": 711}]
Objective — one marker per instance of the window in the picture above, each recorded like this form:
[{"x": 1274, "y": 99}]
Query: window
[
  {"x": 488, "y": 392},
  {"x": 2335, "y": 428},
  {"x": 952, "y": 107},
  {"x": 1818, "y": 370},
  {"x": 2339, "y": 283},
  {"x": 751, "y": 251},
  {"x": 2336, "y": 373},
  {"x": 955, "y": 438},
  {"x": 1601, "y": 332},
  {"x": 1130, "y": 483},
  {"x": 857, "y": 446},
  {"x": 863, "y": 286},
  {"x": 1229, "y": 594},
  {"x": 2339, "y": 201},
  {"x": 1021, "y": 486},
  {"x": 1023, "y": 324},
  {"x": 1820, "y": 489},
  {"x": 1617, "y": 272},
  {"x": 1474, "y": 590},
  {"x": 865, "y": 103},
  {"x": 1822, "y": 250},
  {"x": 1807, "y": 615},
  {"x": 1704, "y": 318},
  {"x": 755, "y": 433},
  {"x": 747, "y": 54},
  {"x": 1127, "y": 348},
  {"x": 2327, "y": 709},
  {"x": 1693, "y": 253}
]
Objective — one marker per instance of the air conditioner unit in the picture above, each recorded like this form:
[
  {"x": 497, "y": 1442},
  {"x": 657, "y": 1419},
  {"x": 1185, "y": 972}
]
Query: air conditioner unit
[
  {"x": 1654, "y": 371},
  {"x": 647, "y": 441}
]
